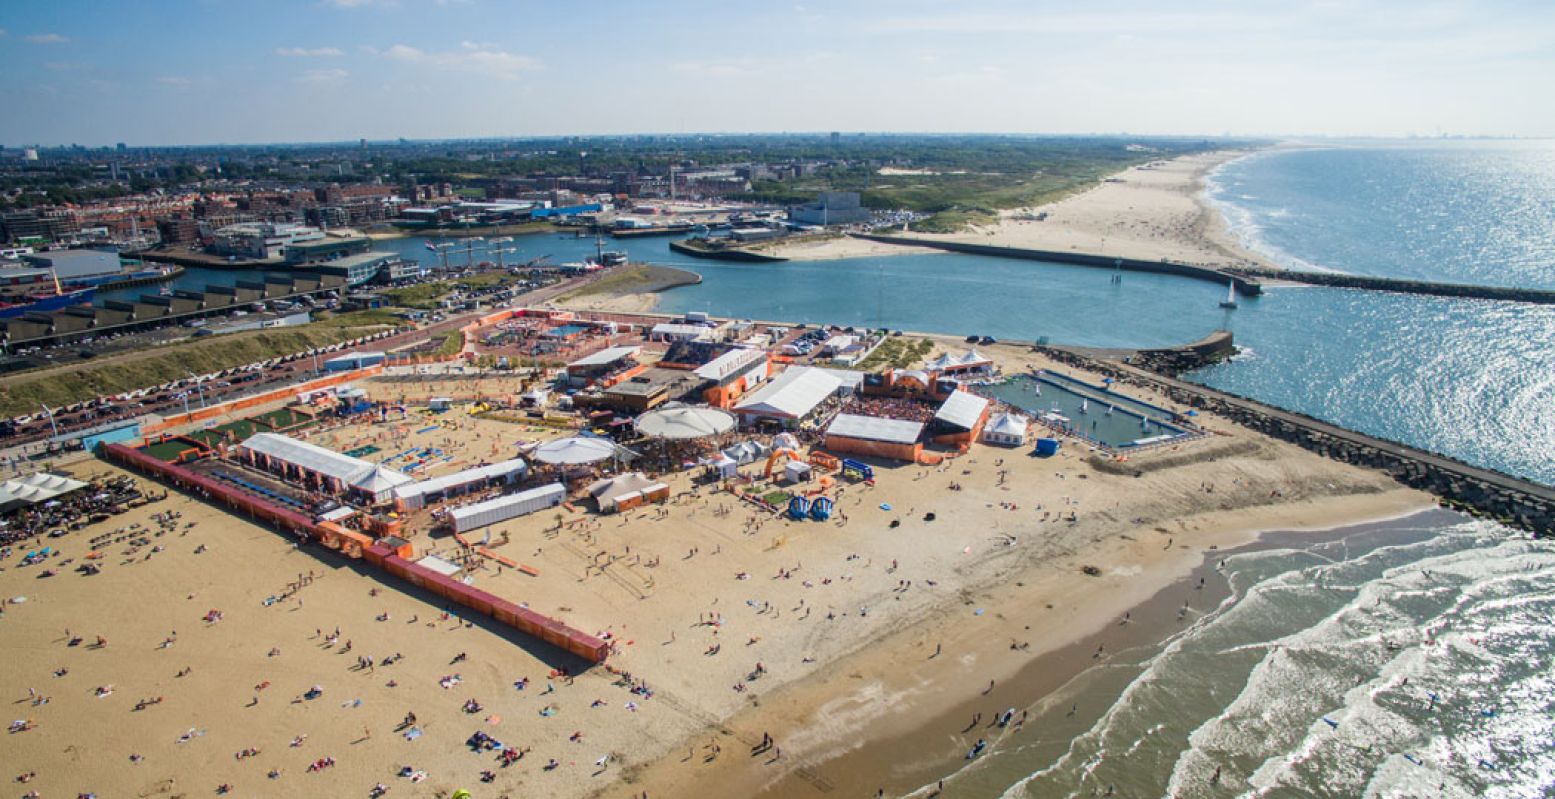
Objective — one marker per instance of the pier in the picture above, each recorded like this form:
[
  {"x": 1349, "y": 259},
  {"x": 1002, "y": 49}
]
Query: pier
[
  {"x": 1403, "y": 286},
  {"x": 1248, "y": 280},
  {"x": 1245, "y": 286}
]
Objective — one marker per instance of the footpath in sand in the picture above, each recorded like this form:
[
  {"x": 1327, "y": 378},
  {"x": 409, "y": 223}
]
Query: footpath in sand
[{"x": 731, "y": 623}]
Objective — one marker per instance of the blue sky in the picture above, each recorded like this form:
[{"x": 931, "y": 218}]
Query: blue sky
[{"x": 205, "y": 71}]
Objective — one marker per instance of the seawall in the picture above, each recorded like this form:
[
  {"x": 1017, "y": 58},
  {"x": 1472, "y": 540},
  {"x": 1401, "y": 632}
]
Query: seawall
[
  {"x": 1511, "y": 500},
  {"x": 1247, "y": 279},
  {"x": 1402, "y": 286},
  {"x": 1246, "y": 286}
]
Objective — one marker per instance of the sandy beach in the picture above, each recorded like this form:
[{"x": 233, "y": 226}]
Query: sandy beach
[
  {"x": 829, "y": 627},
  {"x": 1150, "y": 212}
]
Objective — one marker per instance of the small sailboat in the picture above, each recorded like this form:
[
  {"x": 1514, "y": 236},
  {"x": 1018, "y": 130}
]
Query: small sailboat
[
  {"x": 1085, "y": 406},
  {"x": 1006, "y": 717},
  {"x": 1230, "y": 301},
  {"x": 1110, "y": 410},
  {"x": 977, "y": 749}
]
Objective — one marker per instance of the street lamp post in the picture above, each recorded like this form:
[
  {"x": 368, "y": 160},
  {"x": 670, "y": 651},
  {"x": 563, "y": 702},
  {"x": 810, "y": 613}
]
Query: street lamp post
[{"x": 199, "y": 385}]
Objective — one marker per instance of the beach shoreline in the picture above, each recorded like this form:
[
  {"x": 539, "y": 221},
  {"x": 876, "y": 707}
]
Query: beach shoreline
[
  {"x": 884, "y": 715},
  {"x": 1151, "y": 212}
]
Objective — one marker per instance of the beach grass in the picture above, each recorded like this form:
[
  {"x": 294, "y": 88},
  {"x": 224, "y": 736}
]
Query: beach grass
[{"x": 22, "y": 393}]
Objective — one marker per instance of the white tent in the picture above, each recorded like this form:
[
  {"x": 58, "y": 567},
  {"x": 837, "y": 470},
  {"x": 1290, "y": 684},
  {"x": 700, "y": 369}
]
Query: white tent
[
  {"x": 574, "y": 450},
  {"x": 791, "y": 395},
  {"x": 379, "y": 484},
  {"x": 796, "y": 471},
  {"x": 785, "y": 441},
  {"x": 305, "y": 456},
  {"x": 725, "y": 467},
  {"x": 747, "y": 451},
  {"x": 1006, "y": 428},
  {"x": 971, "y": 359},
  {"x": 34, "y": 488},
  {"x": 684, "y": 422}
]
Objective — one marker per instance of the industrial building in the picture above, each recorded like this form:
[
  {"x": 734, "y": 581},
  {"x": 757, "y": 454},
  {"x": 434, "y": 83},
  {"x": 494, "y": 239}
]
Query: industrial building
[
  {"x": 70, "y": 265},
  {"x": 830, "y": 208},
  {"x": 353, "y": 360},
  {"x": 731, "y": 375},
  {"x": 261, "y": 240},
  {"x": 364, "y": 267},
  {"x": 333, "y": 245}
]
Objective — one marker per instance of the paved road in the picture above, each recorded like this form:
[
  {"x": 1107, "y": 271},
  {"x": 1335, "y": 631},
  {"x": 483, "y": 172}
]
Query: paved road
[{"x": 301, "y": 367}]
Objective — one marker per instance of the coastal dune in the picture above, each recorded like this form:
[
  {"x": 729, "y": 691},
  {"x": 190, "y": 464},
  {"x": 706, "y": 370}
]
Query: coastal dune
[{"x": 1150, "y": 212}]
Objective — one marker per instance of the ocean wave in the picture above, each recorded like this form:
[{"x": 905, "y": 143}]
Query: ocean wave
[{"x": 1243, "y": 222}]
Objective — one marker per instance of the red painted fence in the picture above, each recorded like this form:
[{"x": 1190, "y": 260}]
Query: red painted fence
[{"x": 378, "y": 554}]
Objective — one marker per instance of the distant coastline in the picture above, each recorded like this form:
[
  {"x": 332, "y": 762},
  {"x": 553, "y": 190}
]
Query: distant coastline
[{"x": 1149, "y": 212}]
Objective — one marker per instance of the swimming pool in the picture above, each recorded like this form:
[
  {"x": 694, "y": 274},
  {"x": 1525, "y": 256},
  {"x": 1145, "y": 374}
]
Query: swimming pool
[
  {"x": 1090, "y": 412},
  {"x": 566, "y": 331}
]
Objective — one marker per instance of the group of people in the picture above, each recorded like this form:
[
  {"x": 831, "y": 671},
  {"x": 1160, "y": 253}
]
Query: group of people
[{"x": 96, "y": 501}]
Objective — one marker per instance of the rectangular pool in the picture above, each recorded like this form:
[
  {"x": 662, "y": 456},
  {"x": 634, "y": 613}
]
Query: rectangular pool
[{"x": 1092, "y": 412}]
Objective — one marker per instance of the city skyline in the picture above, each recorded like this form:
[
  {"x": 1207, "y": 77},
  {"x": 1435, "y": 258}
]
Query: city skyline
[{"x": 96, "y": 73}]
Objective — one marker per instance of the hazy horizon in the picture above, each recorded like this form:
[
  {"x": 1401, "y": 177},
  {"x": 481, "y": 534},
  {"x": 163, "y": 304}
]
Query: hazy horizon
[{"x": 309, "y": 71}]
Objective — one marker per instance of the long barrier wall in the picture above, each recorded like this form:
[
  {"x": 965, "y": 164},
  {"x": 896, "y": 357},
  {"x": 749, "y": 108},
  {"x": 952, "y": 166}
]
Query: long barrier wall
[
  {"x": 1245, "y": 286},
  {"x": 243, "y": 403},
  {"x": 379, "y": 554}
]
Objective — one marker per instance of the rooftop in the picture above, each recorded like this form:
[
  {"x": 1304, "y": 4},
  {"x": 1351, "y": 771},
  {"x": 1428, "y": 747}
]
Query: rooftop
[{"x": 874, "y": 428}]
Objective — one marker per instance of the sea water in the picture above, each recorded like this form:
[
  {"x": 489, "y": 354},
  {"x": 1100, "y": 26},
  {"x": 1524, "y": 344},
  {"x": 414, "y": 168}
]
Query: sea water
[
  {"x": 1404, "y": 659},
  {"x": 1409, "y": 658}
]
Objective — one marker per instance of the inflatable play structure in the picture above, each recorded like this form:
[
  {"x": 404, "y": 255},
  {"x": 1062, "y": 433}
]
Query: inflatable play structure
[
  {"x": 820, "y": 509},
  {"x": 798, "y": 508},
  {"x": 772, "y": 459}
]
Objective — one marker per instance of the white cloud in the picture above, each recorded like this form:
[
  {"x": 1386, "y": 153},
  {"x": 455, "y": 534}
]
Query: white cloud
[
  {"x": 4, "y": 32},
  {"x": 176, "y": 81},
  {"x": 304, "y": 52},
  {"x": 472, "y": 57},
  {"x": 47, "y": 38},
  {"x": 64, "y": 66},
  {"x": 740, "y": 67},
  {"x": 323, "y": 76}
]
